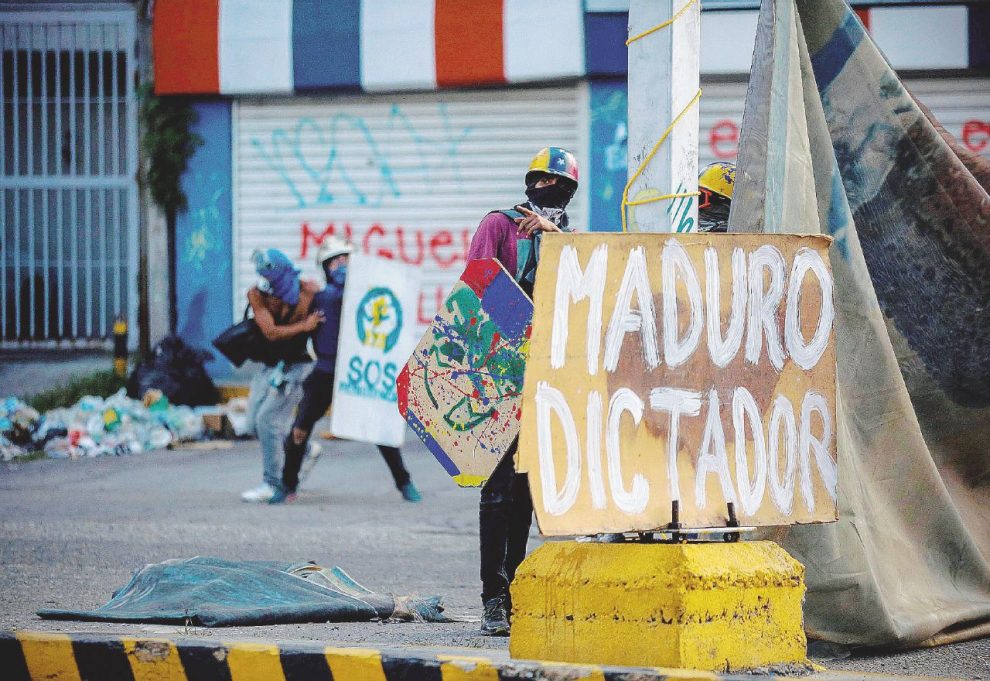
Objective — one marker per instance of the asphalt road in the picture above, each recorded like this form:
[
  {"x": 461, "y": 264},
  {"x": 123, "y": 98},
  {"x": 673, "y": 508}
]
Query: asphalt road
[{"x": 73, "y": 531}]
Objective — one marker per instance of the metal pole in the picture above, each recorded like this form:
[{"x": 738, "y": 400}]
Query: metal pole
[
  {"x": 132, "y": 166},
  {"x": 88, "y": 172},
  {"x": 47, "y": 174},
  {"x": 31, "y": 226},
  {"x": 73, "y": 194},
  {"x": 101, "y": 193},
  {"x": 3, "y": 190},
  {"x": 663, "y": 83},
  {"x": 59, "y": 171},
  {"x": 117, "y": 150},
  {"x": 17, "y": 192}
]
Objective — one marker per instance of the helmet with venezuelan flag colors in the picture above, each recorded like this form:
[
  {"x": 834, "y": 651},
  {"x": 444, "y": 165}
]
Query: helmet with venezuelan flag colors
[
  {"x": 554, "y": 161},
  {"x": 718, "y": 177}
]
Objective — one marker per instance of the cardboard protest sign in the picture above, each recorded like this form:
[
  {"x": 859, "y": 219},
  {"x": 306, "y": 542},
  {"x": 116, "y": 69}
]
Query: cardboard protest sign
[
  {"x": 697, "y": 368},
  {"x": 377, "y": 331},
  {"x": 462, "y": 387}
]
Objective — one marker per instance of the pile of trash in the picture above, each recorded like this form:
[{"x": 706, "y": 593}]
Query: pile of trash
[
  {"x": 18, "y": 422},
  {"x": 96, "y": 426}
]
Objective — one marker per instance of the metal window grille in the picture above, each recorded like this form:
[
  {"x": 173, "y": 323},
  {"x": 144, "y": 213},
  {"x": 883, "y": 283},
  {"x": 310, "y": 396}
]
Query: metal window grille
[{"x": 69, "y": 239}]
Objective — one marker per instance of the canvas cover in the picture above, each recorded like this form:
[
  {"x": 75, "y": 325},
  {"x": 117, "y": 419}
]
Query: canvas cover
[{"x": 831, "y": 142}]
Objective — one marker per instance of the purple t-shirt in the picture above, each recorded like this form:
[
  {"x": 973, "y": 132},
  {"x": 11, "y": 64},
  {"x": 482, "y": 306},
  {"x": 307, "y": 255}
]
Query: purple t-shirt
[{"x": 496, "y": 238}]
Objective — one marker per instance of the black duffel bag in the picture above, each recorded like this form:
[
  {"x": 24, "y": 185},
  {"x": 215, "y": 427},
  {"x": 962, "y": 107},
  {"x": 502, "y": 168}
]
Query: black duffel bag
[{"x": 244, "y": 341}]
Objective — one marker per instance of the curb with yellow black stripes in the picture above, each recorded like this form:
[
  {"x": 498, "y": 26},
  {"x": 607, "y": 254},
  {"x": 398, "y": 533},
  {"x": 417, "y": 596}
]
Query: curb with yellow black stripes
[
  {"x": 30, "y": 656},
  {"x": 35, "y": 656}
]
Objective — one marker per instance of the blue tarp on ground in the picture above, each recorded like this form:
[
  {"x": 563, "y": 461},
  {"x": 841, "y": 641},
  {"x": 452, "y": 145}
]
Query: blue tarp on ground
[{"x": 213, "y": 592}]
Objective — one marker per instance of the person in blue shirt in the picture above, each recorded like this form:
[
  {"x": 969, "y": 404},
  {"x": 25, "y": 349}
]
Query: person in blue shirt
[{"x": 317, "y": 395}]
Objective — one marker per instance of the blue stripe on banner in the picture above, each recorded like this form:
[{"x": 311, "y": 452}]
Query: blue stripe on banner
[
  {"x": 979, "y": 37},
  {"x": 326, "y": 44},
  {"x": 432, "y": 444},
  {"x": 832, "y": 58},
  {"x": 605, "y": 52}
]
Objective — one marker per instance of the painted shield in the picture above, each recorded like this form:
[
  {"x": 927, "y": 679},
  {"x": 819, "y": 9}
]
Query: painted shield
[{"x": 461, "y": 390}]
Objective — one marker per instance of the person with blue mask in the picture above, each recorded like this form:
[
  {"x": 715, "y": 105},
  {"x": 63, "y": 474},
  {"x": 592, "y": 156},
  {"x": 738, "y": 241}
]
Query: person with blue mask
[
  {"x": 332, "y": 259},
  {"x": 281, "y": 305}
]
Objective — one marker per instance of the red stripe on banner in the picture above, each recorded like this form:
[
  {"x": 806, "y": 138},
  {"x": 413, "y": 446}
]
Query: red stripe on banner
[
  {"x": 186, "y": 47},
  {"x": 864, "y": 15},
  {"x": 468, "y": 36}
]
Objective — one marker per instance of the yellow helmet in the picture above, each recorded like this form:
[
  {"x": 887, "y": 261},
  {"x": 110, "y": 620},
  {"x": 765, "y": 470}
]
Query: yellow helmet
[{"x": 718, "y": 178}]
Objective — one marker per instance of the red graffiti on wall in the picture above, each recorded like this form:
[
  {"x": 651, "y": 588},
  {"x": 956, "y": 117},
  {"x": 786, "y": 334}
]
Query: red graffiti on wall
[
  {"x": 723, "y": 140},
  {"x": 442, "y": 249},
  {"x": 976, "y": 135}
]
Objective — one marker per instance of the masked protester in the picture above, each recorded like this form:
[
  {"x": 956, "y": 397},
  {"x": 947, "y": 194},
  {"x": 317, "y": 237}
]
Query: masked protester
[
  {"x": 715, "y": 185},
  {"x": 512, "y": 236},
  {"x": 300, "y": 454},
  {"x": 281, "y": 305}
]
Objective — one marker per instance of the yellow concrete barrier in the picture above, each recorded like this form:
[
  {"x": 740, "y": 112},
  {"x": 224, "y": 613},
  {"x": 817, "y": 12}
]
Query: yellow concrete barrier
[{"x": 707, "y": 606}]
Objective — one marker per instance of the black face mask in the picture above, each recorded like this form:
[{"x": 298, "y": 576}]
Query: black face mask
[
  {"x": 551, "y": 196},
  {"x": 715, "y": 216}
]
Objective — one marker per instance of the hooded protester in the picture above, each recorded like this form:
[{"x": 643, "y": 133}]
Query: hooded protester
[
  {"x": 280, "y": 303},
  {"x": 317, "y": 390},
  {"x": 715, "y": 183},
  {"x": 513, "y": 237}
]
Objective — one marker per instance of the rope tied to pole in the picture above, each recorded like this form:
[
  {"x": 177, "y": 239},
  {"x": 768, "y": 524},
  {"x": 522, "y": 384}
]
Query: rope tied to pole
[{"x": 626, "y": 203}]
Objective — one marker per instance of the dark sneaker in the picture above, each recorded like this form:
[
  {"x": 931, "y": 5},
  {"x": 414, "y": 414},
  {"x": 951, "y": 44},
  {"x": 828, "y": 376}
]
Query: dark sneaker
[
  {"x": 410, "y": 493},
  {"x": 495, "y": 621},
  {"x": 282, "y": 497}
]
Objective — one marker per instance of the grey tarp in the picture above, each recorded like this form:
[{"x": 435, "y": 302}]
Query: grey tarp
[
  {"x": 213, "y": 592},
  {"x": 832, "y": 143}
]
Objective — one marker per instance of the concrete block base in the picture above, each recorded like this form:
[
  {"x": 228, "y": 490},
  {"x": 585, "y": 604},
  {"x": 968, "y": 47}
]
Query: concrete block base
[{"x": 713, "y": 606}]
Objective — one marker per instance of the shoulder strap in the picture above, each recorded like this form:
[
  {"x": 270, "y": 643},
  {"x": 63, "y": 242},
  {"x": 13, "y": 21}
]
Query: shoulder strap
[{"x": 510, "y": 213}]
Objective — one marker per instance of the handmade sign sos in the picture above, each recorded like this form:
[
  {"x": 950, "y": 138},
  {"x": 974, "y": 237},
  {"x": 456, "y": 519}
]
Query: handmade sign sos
[
  {"x": 377, "y": 332},
  {"x": 690, "y": 368},
  {"x": 462, "y": 387}
]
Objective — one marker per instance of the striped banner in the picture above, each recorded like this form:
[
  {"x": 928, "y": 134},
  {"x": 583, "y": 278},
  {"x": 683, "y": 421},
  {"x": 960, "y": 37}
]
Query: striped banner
[{"x": 281, "y": 46}]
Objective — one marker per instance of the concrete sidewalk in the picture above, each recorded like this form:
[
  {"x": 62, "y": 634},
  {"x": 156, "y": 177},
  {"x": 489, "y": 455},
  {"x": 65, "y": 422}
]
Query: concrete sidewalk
[{"x": 29, "y": 656}]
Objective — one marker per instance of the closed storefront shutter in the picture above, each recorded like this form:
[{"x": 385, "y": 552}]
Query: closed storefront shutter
[
  {"x": 962, "y": 105},
  {"x": 404, "y": 176}
]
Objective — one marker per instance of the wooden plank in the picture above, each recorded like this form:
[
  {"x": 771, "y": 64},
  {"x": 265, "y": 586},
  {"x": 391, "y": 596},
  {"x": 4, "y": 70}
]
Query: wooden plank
[{"x": 629, "y": 363}]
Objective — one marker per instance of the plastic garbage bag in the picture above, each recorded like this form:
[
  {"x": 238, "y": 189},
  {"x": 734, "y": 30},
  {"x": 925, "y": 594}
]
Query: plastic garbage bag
[{"x": 176, "y": 370}]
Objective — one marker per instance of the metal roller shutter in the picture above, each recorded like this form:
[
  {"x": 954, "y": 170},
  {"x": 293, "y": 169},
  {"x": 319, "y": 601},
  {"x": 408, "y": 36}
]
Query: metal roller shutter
[
  {"x": 406, "y": 176},
  {"x": 962, "y": 105}
]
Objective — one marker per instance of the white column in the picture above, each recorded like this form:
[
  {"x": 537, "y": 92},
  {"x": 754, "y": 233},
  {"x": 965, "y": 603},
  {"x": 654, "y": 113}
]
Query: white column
[{"x": 663, "y": 81}]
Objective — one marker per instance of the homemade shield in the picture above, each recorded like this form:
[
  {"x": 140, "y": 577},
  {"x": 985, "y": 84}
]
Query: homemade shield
[
  {"x": 833, "y": 142},
  {"x": 376, "y": 334},
  {"x": 697, "y": 369},
  {"x": 461, "y": 389}
]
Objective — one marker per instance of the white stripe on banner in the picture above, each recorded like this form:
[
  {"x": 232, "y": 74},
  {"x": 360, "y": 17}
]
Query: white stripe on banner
[
  {"x": 542, "y": 39},
  {"x": 397, "y": 45},
  {"x": 922, "y": 37},
  {"x": 255, "y": 46},
  {"x": 727, "y": 40}
]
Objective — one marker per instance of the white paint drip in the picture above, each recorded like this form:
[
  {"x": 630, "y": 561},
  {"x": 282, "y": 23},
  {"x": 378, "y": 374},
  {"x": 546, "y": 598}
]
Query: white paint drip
[
  {"x": 807, "y": 356},
  {"x": 782, "y": 486},
  {"x": 723, "y": 350},
  {"x": 712, "y": 457},
  {"x": 594, "y": 450},
  {"x": 751, "y": 490},
  {"x": 634, "y": 500},
  {"x": 763, "y": 305},
  {"x": 552, "y": 400}
]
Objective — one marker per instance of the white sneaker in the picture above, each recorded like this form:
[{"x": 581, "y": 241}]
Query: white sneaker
[
  {"x": 313, "y": 451},
  {"x": 261, "y": 494}
]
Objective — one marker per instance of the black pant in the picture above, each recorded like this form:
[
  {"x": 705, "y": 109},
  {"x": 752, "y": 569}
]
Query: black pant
[
  {"x": 316, "y": 399},
  {"x": 505, "y": 515}
]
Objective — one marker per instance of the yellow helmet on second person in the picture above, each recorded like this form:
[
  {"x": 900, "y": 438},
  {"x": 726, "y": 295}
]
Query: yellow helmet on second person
[{"x": 719, "y": 178}]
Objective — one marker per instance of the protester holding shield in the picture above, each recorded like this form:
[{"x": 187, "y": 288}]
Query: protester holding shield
[
  {"x": 332, "y": 259},
  {"x": 280, "y": 304},
  {"x": 513, "y": 238}
]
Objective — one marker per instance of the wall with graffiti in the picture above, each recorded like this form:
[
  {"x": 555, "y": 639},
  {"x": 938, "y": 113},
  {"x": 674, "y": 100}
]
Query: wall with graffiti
[{"x": 203, "y": 236}]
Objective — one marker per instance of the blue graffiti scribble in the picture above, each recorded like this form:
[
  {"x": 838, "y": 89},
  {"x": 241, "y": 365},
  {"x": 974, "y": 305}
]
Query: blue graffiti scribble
[{"x": 377, "y": 174}]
